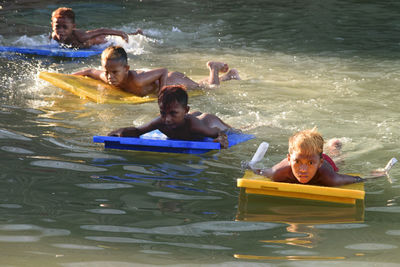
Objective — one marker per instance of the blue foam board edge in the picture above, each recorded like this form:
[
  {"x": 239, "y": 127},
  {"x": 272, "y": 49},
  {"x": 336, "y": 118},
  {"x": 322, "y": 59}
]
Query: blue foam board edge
[
  {"x": 157, "y": 142},
  {"x": 51, "y": 50}
]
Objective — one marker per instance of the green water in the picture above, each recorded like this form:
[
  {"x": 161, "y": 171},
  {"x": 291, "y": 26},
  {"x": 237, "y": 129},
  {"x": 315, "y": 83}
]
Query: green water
[{"x": 65, "y": 201}]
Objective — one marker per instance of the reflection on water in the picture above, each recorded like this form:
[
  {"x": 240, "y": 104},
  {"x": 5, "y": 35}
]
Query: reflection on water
[{"x": 66, "y": 201}]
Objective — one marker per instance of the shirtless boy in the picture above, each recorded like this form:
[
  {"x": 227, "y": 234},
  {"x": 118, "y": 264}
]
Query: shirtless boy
[
  {"x": 116, "y": 71},
  {"x": 176, "y": 122},
  {"x": 64, "y": 31},
  {"x": 306, "y": 163}
]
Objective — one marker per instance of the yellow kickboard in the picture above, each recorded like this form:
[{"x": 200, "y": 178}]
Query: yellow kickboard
[
  {"x": 257, "y": 184},
  {"x": 97, "y": 91}
]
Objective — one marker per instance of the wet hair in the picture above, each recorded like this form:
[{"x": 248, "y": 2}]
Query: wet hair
[
  {"x": 64, "y": 12},
  {"x": 308, "y": 141},
  {"x": 170, "y": 93},
  {"x": 115, "y": 53}
]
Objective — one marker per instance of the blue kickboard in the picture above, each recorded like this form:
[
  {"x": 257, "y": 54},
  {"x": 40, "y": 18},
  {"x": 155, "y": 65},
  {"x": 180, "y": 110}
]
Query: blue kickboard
[
  {"x": 157, "y": 142},
  {"x": 51, "y": 50}
]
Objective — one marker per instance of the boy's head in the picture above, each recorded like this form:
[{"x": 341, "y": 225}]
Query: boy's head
[
  {"x": 114, "y": 61},
  {"x": 172, "y": 101},
  {"x": 305, "y": 154},
  {"x": 63, "y": 23}
]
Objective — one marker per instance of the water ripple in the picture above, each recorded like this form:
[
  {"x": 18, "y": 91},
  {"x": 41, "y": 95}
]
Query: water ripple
[
  {"x": 142, "y": 241},
  {"x": 341, "y": 226},
  {"x": 179, "y": 196},
  {"x": 393, "y": 232},
  {"x": 195, "y": 229},
  {"x": 73, "y": 246},
  {"x": 66, "y": 165},
  {"x": 384, "y": 209},
  {"x": 93, "y": 156},
  {"x": 106, "y": 211},
  {"x": 10, "y": 206},
  {"x": 371, "y": 246},
  {"x": 103, "y": 186},
  {"x": 4, "y": 134},
  {"x": 16, "y": 150},
  {"x": 45, "y": 232}
]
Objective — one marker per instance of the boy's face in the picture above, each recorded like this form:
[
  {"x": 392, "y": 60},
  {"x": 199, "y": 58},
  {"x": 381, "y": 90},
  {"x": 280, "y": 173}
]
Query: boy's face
[
  {"x": 62, "y": 28},
  {"x": 304, "y": 167},
  {"x": 173, "y": 115},
  {"x": 115, "y": 72}
]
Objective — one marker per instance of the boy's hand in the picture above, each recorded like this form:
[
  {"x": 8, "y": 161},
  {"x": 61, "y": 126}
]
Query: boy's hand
[
  {"x": 222, "y": 139},
  {"x": 138, "y": 31},
  {"x": 125, "y": 37},
  {"x": 125, "y": 132}
]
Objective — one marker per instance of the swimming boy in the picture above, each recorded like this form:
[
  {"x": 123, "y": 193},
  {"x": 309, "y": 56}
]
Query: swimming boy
[
  {"x": 116, "y": 71},
  {"x": 306, "y": 163},
  {"x": 65, "y": 32},
  {"x": 176, "y": 122}
]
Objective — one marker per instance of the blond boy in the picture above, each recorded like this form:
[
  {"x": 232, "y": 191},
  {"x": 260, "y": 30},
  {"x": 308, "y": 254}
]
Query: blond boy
[{"x": 306, "y": 163}]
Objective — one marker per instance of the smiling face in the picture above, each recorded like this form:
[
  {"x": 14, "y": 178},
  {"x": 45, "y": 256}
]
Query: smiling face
[
  {"x": 173, "y": 114},
  {"x": 304, "y": 166},
  {"x": 62, "y": 28},
  {"x": 115, "y": 71}
]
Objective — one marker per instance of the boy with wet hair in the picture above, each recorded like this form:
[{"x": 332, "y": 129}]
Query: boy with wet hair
[
  {"x": 116, "y": 72},
  {"x": 307, "y": 164},
  {"x": 64, "y": 31},
  {"x": 176, "y": 122}
]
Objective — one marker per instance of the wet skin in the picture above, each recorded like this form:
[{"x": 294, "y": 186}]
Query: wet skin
[
  {"x": 304, "y": 167},
  {"x": 115, "y": 73},
  {"x": 62, "y": 29}
]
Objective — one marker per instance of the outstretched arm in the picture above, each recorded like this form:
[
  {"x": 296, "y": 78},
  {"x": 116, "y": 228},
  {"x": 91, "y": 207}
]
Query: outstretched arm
[
  {"x": 92, "y": 73},
  {"x": 328, "y": 177},
  {"x": 95, "y": 33},
  {"x": 137, "y": 131},
  {"x": 279, "y": 172}
]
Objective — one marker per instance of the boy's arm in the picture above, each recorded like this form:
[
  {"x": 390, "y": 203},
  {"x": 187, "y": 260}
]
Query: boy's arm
[
  {"x": 92, "y": 73},
  {"x": 198, "y": 127},
  {"x": 278, "y": 173},
  {"x": 138, "y": 31},
  {"x": 148, "y": 77},
  {"x": 84, "y": 37},
  {"x": 329, "y": 177},
  {"x": 137, "y": 131}
]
